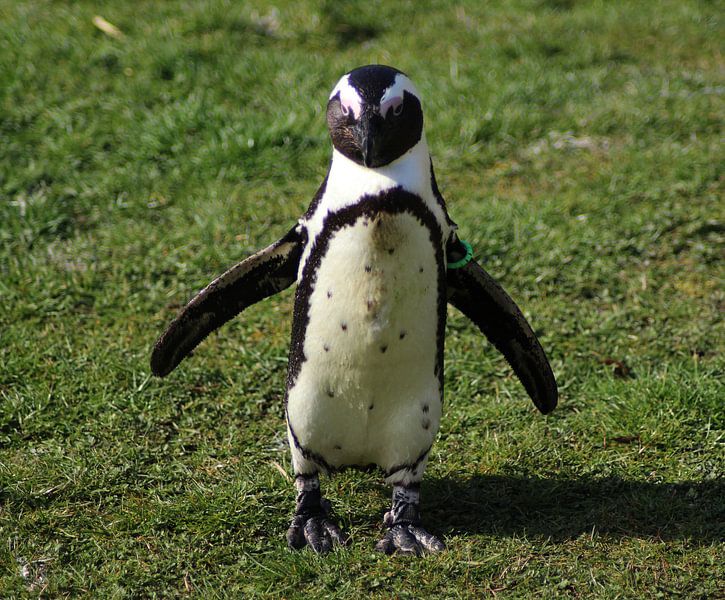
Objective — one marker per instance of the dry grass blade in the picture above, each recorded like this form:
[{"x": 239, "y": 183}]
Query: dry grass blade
[{"x": 107, "y": 28}]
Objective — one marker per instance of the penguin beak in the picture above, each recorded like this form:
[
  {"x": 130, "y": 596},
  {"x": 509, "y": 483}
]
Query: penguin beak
[{"x": 365, "y": 134}]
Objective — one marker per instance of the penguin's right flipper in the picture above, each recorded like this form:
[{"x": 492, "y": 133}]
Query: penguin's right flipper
[
  {"x": 265, "y": 273},
  {"x": 482, "y": 299}
]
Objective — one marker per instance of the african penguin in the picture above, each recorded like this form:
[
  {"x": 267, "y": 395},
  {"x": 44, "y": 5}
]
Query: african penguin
[{"x": 376, "y": 259}]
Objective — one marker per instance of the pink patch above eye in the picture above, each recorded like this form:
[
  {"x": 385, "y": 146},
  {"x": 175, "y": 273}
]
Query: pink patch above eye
[
  {"x": 350, "y": 101},
  {"x": 394, "y": 102}
]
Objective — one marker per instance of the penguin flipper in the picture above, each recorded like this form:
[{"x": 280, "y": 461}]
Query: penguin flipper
[
  {"x": 267, "y": 272},
  {"x": 482, "y": 299}
]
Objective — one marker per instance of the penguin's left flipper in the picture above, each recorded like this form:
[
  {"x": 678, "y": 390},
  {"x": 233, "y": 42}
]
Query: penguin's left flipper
[
  {"x": 265, "y": 273},
  {"x": 480, "y": 297}
]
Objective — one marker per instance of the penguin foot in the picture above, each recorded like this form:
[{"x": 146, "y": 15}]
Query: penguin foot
[
  {"x": 316, "y": 530},
  {"x": 311, "y": 524},
  {"x": 407, "y": 538},
  {"x": 405, "y": 535}
]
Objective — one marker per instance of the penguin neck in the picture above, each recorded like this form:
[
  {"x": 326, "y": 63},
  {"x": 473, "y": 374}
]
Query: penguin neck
[{"x": 348, "y": 181}]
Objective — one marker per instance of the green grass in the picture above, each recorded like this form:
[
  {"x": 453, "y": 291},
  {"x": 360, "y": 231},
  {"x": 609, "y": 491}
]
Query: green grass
[{"x": 579, "y": 147}]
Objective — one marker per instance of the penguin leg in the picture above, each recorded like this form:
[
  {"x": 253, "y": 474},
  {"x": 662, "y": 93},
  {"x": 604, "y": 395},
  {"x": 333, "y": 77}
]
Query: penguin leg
[
  {"x": 311, "y": 524},
  {"x": 405, "y": 533}
]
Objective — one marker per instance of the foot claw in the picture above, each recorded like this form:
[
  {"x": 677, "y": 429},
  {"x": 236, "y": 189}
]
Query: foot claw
[
  {"x": 429, "y": 542},
  {"x": 336, "y": 534},
  {"x": 407, "y": 538},
  {"x": 386, "y": 544},
  {"x": 318, "y": 532},
  {"x": 296, "y": 534},
  {"x": 315, "y": 536}
]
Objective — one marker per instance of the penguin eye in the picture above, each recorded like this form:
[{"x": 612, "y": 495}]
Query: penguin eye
[
  {"x": 345, "y": 109},
  {"x": 395, "y": 103}
]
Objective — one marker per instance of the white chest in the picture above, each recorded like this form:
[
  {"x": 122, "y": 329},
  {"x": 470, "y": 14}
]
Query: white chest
[{"x": 367, "y": 390}]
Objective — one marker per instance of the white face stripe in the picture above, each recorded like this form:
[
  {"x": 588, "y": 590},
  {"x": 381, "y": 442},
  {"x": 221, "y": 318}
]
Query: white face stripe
[
  {"x": 393, "y": 95},
  {"x": 349, "y": 98}
]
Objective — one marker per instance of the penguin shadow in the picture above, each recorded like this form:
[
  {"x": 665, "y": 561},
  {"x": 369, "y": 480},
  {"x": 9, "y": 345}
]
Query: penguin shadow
[{"x": 563, "y": 509}]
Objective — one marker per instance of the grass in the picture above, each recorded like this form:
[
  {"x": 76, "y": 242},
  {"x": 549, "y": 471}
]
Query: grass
[{"x": 579, "y": 147}]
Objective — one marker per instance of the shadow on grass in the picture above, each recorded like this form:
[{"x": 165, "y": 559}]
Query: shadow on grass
[{"x": 564, "y": 509}]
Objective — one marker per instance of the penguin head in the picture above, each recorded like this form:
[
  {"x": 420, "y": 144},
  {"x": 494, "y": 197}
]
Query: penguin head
[{"x": 374, "y": 115}]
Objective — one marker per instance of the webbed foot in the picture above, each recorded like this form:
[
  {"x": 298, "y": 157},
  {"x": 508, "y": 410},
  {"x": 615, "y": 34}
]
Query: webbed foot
[
  {"x": 408, "y": 538},
  {"x": 405, "y": 534},
  {"x": 311, "y": 524}
]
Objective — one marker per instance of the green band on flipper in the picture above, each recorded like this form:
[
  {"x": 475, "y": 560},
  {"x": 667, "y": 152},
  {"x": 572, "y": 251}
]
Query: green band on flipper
[{"x": 465, "y": 260}]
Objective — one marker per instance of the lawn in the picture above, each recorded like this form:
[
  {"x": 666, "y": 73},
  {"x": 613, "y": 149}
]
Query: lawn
[{"x": 579, "y": 147}]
